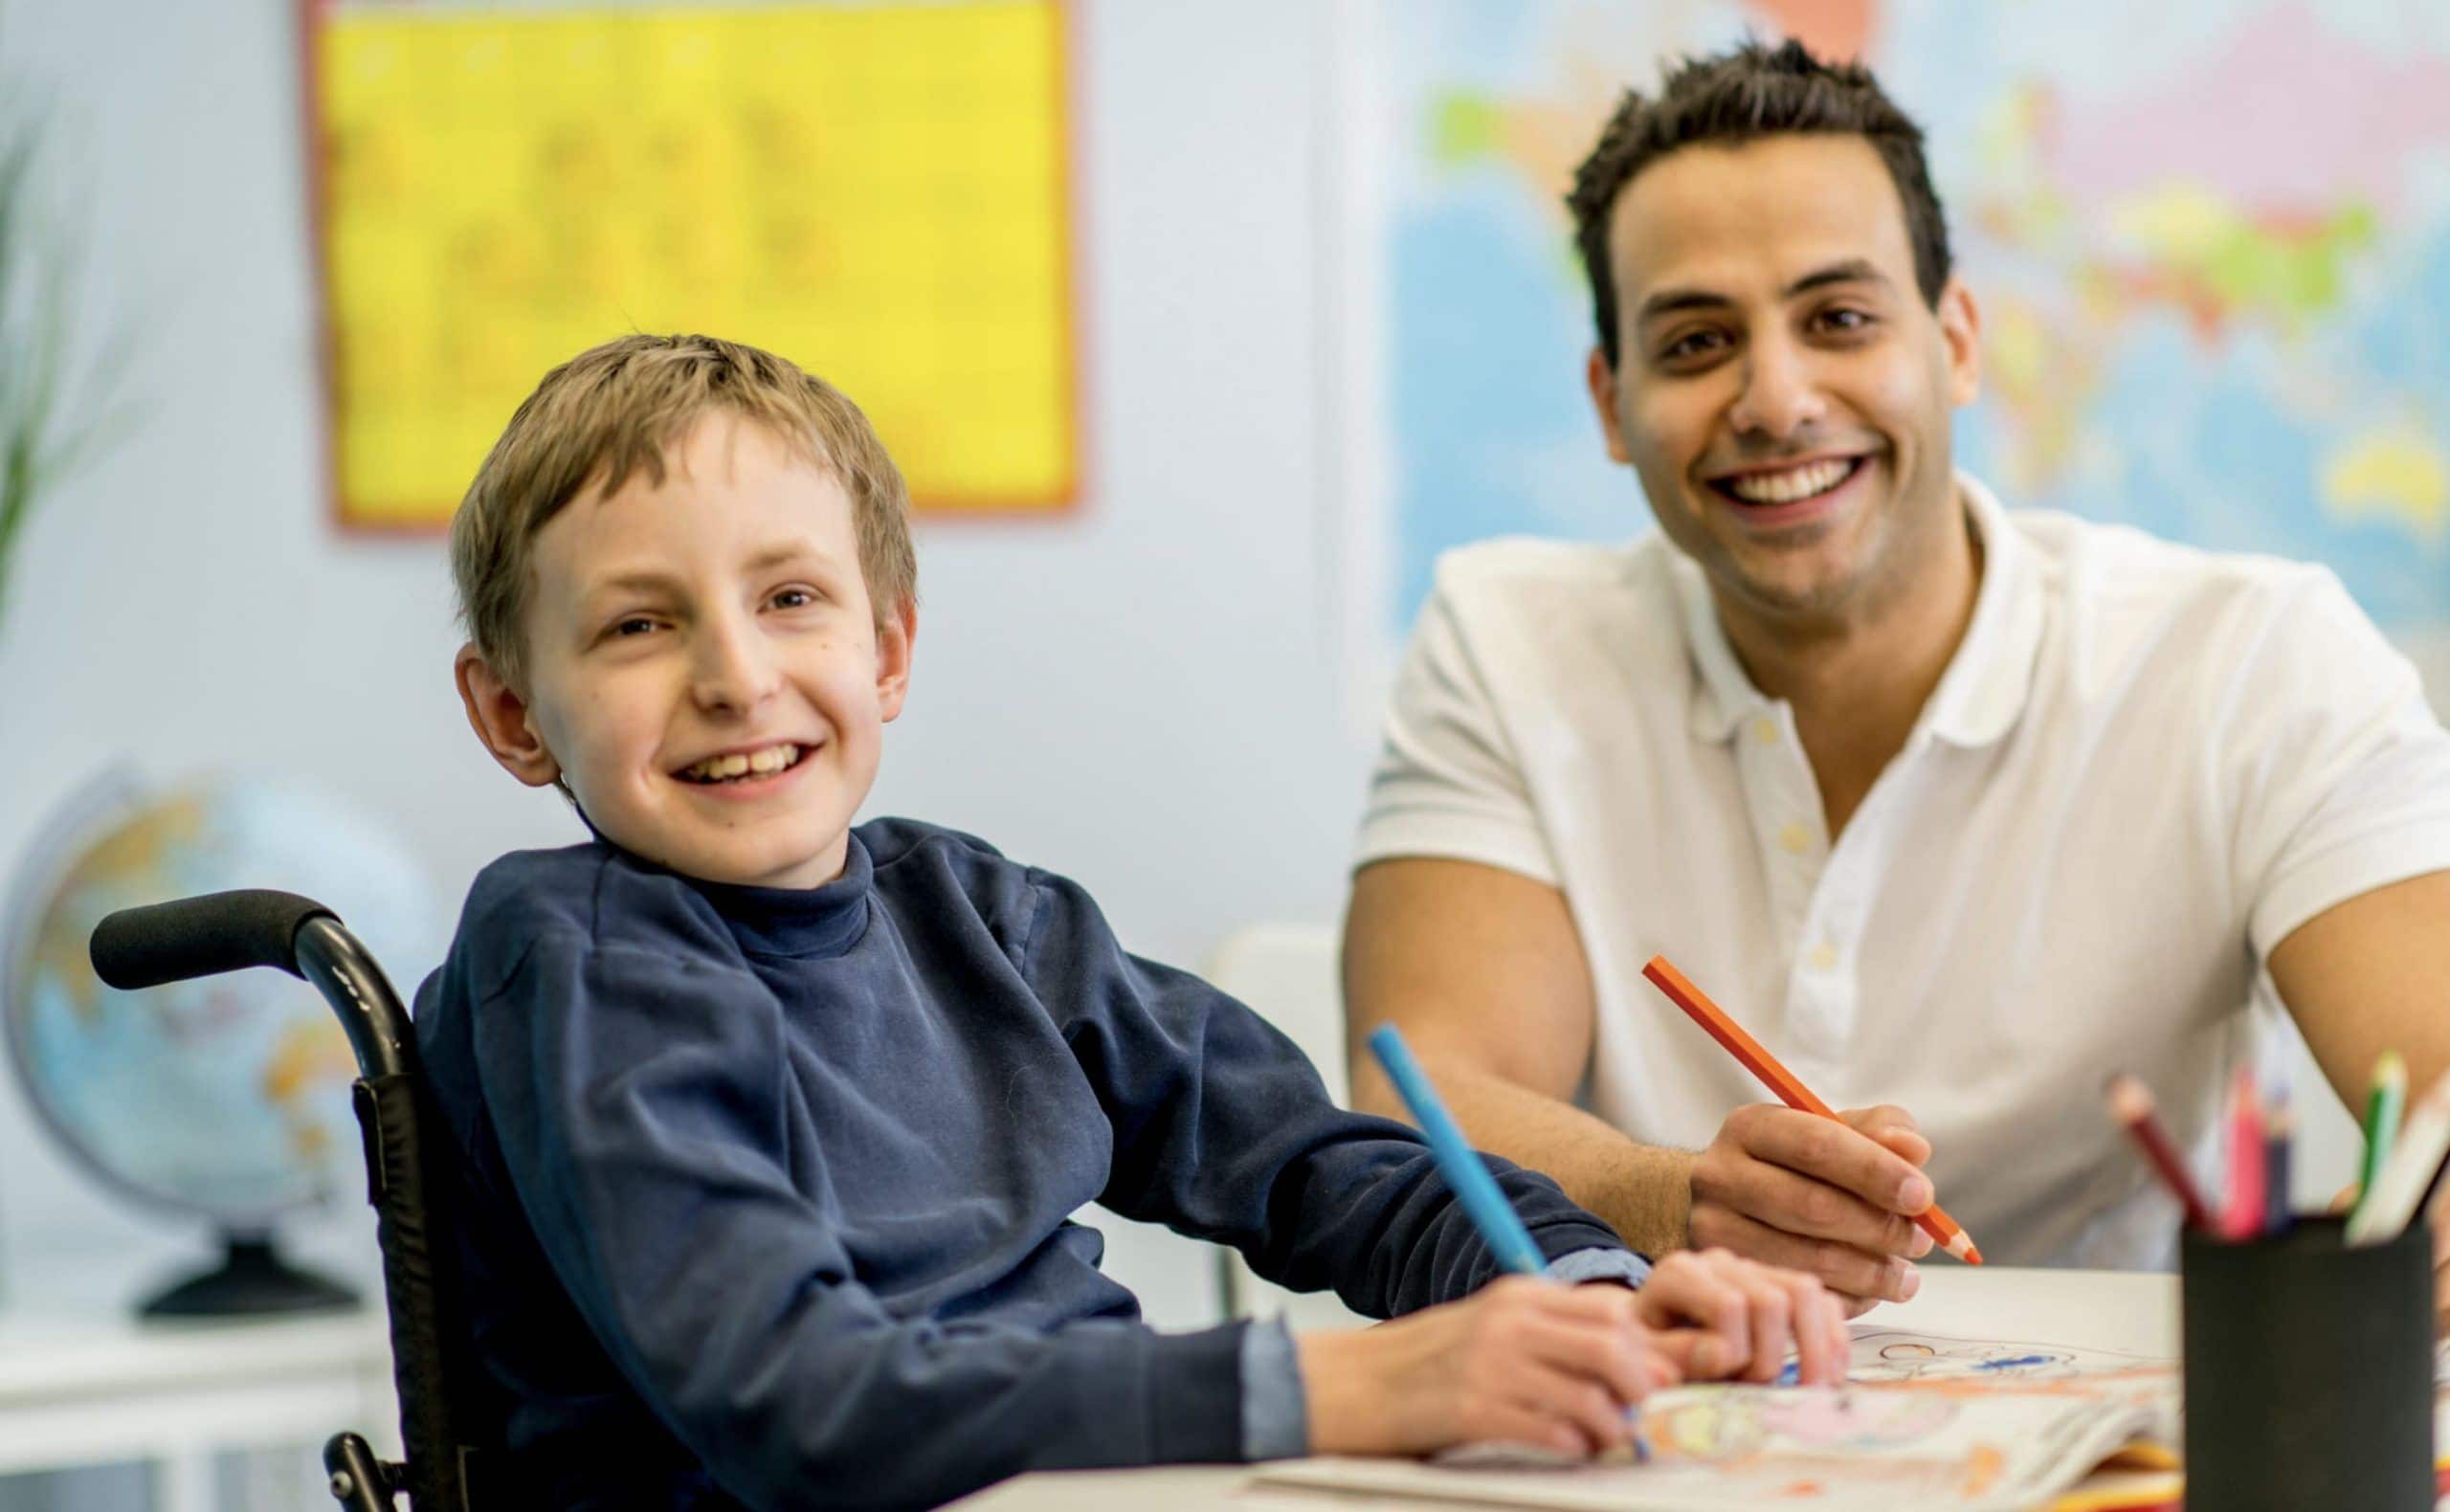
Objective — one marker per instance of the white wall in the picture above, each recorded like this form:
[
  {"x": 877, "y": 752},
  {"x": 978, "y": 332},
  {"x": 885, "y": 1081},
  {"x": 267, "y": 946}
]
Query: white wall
[{"x": 1143, "y": 695}]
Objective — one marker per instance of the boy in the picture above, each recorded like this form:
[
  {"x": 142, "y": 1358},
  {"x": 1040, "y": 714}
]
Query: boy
[{"x": 767, "y": 1129}]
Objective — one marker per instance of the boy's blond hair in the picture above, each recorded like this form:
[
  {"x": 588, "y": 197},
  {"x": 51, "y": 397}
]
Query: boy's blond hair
[{"x": 616, "y": 409}]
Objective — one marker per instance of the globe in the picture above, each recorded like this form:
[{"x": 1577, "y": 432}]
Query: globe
[{"x": 226, "y": 1097}]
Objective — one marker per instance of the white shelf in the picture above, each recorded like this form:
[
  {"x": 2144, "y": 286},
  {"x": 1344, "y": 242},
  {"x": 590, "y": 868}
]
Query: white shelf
[{"x": 82, "y": 1388}]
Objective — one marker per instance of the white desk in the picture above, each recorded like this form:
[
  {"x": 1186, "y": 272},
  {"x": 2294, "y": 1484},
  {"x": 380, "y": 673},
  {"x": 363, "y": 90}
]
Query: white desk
[
  {"x": 2097, "y": 1309},
  {"x": 90, "y": 1388}
]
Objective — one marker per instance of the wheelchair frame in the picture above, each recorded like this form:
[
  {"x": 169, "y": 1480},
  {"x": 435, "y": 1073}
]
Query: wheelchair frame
[{"x": 218, "y": 932}]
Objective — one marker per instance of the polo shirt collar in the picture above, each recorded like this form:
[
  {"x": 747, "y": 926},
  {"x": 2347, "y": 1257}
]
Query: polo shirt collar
[{"x": 1987, "y": 682}]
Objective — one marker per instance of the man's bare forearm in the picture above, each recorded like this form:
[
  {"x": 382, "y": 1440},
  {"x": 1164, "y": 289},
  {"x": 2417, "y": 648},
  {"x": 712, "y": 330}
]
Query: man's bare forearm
[{"x": 1644, "y": 1191}]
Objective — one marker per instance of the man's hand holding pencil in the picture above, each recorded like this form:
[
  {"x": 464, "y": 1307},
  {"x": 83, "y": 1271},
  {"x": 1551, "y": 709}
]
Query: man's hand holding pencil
[
  {"x": 1832, "y": 1198},
  {"x": 1841, "y": 1196}
]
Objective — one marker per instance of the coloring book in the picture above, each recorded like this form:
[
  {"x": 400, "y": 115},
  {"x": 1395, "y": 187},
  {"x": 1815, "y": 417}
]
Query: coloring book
[{"x": 1926, "y": 1420}]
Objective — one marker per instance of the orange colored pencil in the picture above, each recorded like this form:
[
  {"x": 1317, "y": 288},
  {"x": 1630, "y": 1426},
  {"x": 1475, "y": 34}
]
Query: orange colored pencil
[{"x": 1943, "y": 1229}]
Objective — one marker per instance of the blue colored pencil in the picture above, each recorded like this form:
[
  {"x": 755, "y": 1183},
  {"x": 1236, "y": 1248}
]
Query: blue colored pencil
[
  {"x": 1499, "y": 1226},
  {"x": 2278, "y": 1134},
  {"x": 1472, "y": 1184}
]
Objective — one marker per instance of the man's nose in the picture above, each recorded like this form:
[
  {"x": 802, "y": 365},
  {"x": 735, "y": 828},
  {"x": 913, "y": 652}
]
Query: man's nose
[
  {"x": 1781, "y": 393},
  {"x": 733, "y": 669}
]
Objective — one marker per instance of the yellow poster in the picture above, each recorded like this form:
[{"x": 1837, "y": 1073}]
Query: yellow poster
[{"x": 878, "y": 192}]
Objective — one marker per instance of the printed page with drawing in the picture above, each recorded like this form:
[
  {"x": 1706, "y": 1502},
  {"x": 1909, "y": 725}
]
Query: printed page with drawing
[{"x": 1971, "y": 1424}]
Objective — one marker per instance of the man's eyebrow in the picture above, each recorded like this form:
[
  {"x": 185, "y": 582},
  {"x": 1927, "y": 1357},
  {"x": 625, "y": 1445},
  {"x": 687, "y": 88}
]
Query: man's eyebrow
[
  {"x": 1673, "y": 301},
  {"x": 1852, "y": 270},
  {"x": 1670, "y": 301}
]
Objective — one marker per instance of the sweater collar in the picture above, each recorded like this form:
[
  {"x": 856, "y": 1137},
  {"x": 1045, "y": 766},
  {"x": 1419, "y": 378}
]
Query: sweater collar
[{"x": 797, "y": 922}]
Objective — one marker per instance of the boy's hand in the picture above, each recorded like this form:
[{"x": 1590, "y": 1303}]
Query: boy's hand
[
  {"x": 1532, "y": 1362},
  {"x": 1718, "y": 1316},
  {"x": 1521, "y": 1360}
]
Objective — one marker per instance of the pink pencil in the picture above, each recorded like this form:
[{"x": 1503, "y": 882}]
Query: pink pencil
[{"x": 2247, "y": 1210}]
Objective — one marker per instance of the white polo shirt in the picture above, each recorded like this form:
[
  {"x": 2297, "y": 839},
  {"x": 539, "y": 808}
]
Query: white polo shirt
[{"x": 2144, "y": 768}]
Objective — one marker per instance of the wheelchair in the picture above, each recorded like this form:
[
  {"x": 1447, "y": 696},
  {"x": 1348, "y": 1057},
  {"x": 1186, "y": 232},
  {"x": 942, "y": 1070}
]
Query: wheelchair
[{"x": 217, "y": 932}]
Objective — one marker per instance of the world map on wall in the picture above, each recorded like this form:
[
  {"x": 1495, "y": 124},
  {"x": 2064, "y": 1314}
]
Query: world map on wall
[{"x": 2210, "y": 240}]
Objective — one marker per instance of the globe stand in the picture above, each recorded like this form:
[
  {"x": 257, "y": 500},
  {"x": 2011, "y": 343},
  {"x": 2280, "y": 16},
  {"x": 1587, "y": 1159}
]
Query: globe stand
[{"x": 251, "y": 1279}]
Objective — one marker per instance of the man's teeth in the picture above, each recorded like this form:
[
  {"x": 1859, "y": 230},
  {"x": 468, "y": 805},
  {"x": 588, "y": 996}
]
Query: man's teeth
[
  {"x": 1785, "y": 488},
  {"x": 717, "y": 769}
]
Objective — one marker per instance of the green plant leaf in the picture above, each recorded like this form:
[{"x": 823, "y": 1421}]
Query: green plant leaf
[{"x": 53, "y": 416}]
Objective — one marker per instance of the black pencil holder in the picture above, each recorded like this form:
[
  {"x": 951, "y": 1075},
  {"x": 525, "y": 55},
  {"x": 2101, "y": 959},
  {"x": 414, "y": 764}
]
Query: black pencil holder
[{"x": 2308, "y": 1372}]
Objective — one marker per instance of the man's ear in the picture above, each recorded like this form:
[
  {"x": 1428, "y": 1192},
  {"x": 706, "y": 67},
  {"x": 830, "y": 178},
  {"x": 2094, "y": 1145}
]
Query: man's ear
[
  {"x": 895, "y": 638},
  {"x": 499, "y": 714},
  {"x": 1961, "y": 331},
  {"x": 1602, "y": 379}
]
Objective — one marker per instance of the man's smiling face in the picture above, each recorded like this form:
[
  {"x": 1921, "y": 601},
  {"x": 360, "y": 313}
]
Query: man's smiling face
[{"x": 1782, "y": 392}]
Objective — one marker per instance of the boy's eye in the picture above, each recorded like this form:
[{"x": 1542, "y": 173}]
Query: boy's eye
[
  {"x": 634, "y": 624},
  {"x": 793, "y": 598}
]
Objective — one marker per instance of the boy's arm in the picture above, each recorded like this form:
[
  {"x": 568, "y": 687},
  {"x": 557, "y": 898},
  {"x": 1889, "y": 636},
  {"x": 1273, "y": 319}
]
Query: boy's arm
[
  {"x": 637, "y": 1096},
  {"x": 1223, "y": 1130}
]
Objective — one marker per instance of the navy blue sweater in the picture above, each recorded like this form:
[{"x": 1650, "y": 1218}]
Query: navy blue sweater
[{"x": 764, "y": 1195}]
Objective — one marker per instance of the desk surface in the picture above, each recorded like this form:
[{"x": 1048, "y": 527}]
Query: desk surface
[{"x": 2093, "y": 1309}]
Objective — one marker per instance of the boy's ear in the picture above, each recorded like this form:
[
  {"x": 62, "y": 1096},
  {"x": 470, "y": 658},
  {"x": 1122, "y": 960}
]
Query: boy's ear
[
  {"x": 895, "y": 638},
  {"x": 499, "y": 716}
]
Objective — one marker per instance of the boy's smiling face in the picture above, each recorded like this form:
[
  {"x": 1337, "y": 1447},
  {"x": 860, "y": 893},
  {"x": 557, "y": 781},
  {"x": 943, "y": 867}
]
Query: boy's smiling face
[{"x": 703, "y": 666}]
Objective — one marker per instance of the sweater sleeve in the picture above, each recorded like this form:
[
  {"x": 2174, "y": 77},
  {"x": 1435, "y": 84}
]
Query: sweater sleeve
[
  {"x": 1223, "y": 1130},
  {"x": 639, "y": 1097}
]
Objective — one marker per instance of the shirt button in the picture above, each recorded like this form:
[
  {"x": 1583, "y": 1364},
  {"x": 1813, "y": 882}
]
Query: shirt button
[
  {"x": 1795, "y": 838},
  {"x": 1824, "y": 956},
  {"x": 1765, "y": 730}
]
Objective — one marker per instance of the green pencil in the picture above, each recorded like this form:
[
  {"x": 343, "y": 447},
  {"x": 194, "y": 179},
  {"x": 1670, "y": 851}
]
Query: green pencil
[{"x": 2382, "y": 1105}]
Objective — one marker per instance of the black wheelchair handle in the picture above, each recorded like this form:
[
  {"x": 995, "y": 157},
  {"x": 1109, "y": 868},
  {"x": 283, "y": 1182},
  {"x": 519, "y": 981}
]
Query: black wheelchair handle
[{"x": 202, "y": 936}]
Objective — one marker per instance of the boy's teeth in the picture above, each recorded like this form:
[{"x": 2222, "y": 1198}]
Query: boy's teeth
[
  {"x": 1783, "y": 488},
  {"x": 772, "y": 759}
]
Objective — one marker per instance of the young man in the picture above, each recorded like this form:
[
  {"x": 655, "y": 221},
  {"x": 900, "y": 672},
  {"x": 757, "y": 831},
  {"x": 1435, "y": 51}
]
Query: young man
[
  {"x": 769, "y": 1127},
  {"x": 1958, "y": 809}
]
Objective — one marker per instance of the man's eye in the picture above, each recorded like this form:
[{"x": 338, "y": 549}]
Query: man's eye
[
  {"x": 1845, "y": 319},
  {"x": 1692, "y": 344},
  {"x": 634, "y": 624}
]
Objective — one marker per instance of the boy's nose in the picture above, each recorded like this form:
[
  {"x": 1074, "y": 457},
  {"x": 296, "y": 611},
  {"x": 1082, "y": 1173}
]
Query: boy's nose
[{"x": 733, "y": 672}]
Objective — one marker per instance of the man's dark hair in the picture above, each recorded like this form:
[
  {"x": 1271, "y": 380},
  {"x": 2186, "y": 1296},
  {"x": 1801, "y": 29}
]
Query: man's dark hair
[{"x": 1751, "y": 92}]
